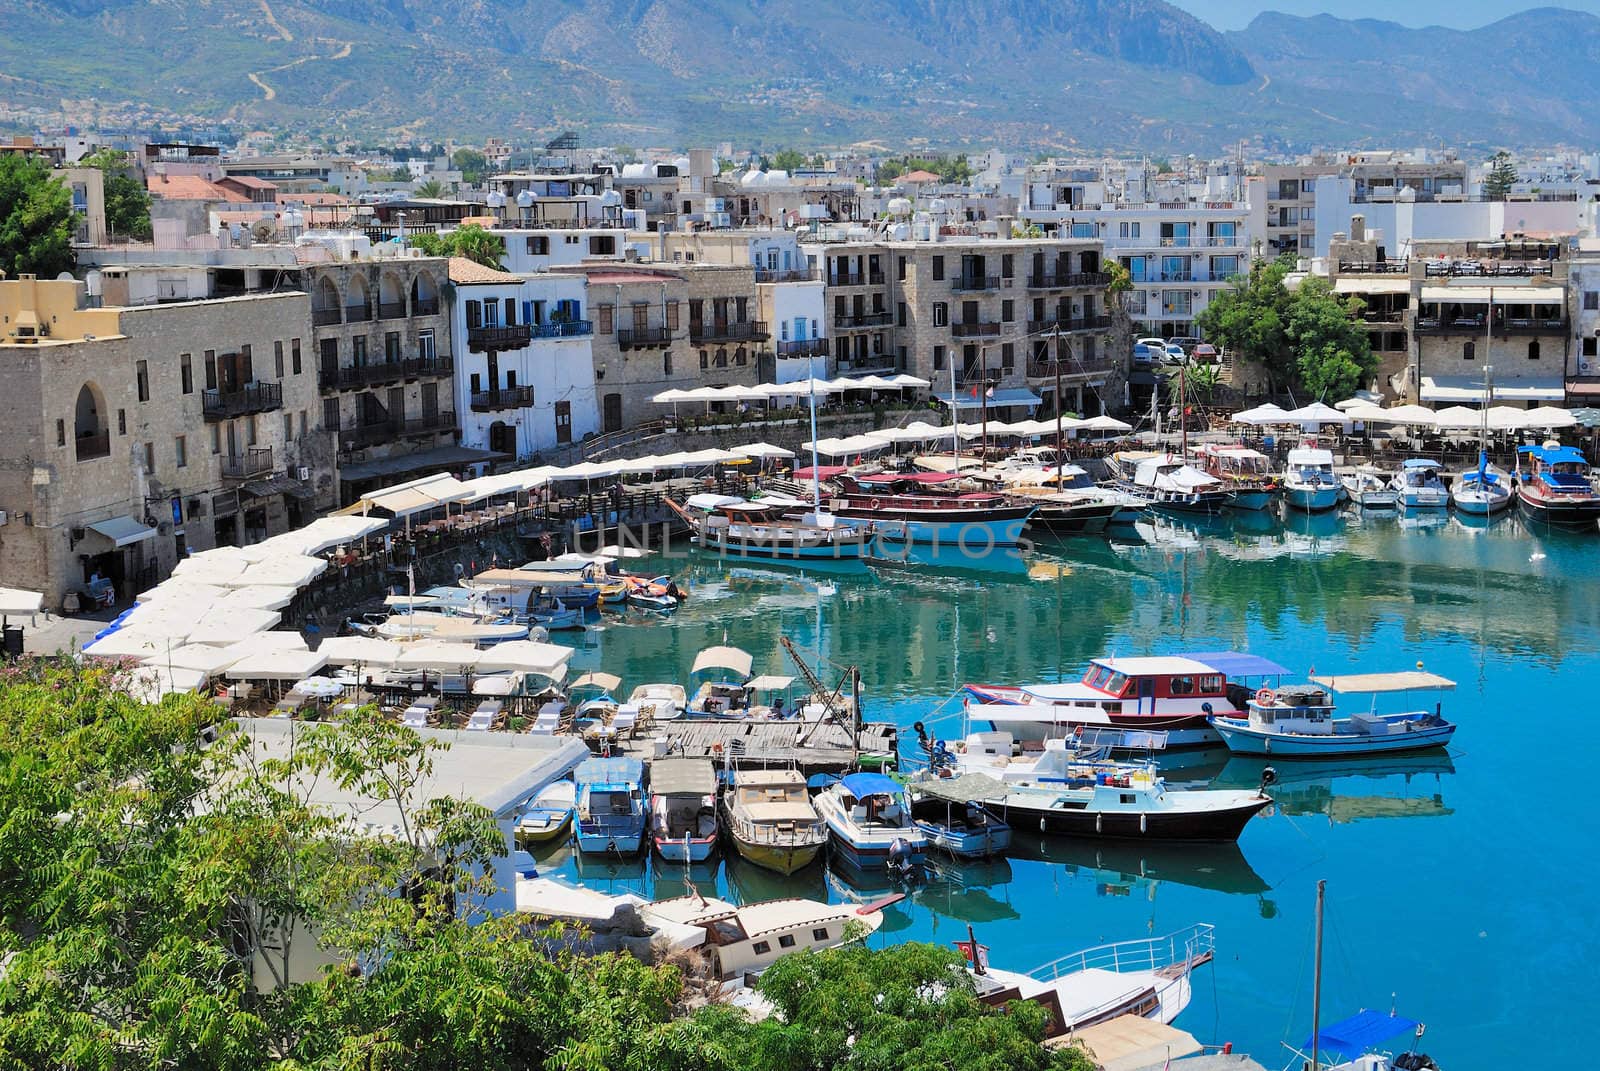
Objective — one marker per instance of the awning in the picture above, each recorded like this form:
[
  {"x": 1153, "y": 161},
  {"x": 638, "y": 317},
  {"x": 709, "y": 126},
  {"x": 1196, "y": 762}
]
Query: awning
[
  {"x": 723, "y": 658},
  {"x": 1504, "y": 293},
  {"x": 1471, "y": 389},
  {"x": 17, "y": 601},
  {"x": 682, "y": 777},
  {"x": 1370, "y": 683},
  {"x": 121, "y": 531},
  {"x": 968, "y": 788},
  {"x": 769, "y": 683},
  {"x": 441, "y": 458},
  {"x": 272, "y": 485},
  {"x": 606, "y": 682},
  {"x": 999, "y": 399},
  {"x": 1359, "y": 285},
  {"x": 1361, "y": 1032},
  {"x": 1584, "y": 387},
  {"x": 1236, "y": 664}
]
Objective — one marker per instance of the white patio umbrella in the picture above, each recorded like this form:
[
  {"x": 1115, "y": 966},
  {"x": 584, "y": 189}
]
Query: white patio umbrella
[
  {"x": 197, "y": 656},
  {"x": 132, "y": 643},
  {"x": 1417, "y": 415},
  {"x": 1507, "y": 418},
  {"x": 1457, "y": 418},
  {"x": 763, "y": 450},
  {"x": 1316, "y": 413},
  {"x": 149, "y": 684},
  {"x": 276, "y": 665},
  {"x": 365, "y": 650},
  {"x": 1549, "y": 416},
  {"x": 525, "y": 656},
  {"x": 319, "y": 687},
  {"x": 221, "y": 626},
  {"x": 1359, "y": 398},
  {"x": 902, "y": 379},
  {"x": 272, "y": 597},
  {"x": 1105, "y": 423},
  {"x": 444, "y": 657}
]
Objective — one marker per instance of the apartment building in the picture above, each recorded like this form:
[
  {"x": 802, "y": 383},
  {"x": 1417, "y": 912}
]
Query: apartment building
[
  {"x": 1481, "y": 322},
  {"x": 640, "y": 343},
  {"x": 1291, "y": 189},
  {"x": 1006, "y": 314},
  {"x": 1583, "y": 364},
  {"x": 138, "y": 434},
  {"x": 1405, "y": 219},
  {"x": 525, "y": 381}
]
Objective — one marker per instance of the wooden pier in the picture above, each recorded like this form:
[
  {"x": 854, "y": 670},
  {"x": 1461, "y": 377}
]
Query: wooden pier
[{"x": 826, "y": 747}]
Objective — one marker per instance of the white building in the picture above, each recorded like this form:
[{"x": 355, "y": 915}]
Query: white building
[
  {"x": 525, "y": 383},
  {"x": 1405, "y": 219}
]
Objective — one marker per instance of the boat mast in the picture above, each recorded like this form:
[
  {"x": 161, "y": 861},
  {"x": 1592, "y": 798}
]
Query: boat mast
[
  {"x": 1055, "y": 337},
  {"x": 816, "y": 481},
  {"x": 955, "y": 418},
  {"x": 983, "y": 419},
  {"x": 1488, "y": 391},
  {"x": 1316, "y": 983}
]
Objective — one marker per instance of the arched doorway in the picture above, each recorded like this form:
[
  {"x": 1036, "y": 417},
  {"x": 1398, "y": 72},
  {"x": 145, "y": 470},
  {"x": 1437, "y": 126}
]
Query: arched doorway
[
  {"x": 424, "y": 295},
  {"x": 90, "y": 430}
]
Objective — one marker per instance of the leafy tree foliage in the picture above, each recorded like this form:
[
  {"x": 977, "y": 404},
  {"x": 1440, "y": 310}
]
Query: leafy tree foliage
[
  {"x": 472, "y": 164},
  {"x": 949, "y": 168},
  {"x": 127, "y": 201},
  {"x": 431, "y": 188},
  {"x": 471, "y": 241},
  {"x": 35, "y": 219},
  {"x": 1333, "y": 353},
  {"x": 1501, "y": 177},
  {"x": 789, "y": 160}
]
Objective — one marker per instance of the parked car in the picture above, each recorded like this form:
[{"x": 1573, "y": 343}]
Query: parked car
[
  {"x": 1205, "y": 353},
  {"x": 1156, "y": 344},
  {"x": 1145, "y": 356},
  {"x": 1186, "y": 343}
]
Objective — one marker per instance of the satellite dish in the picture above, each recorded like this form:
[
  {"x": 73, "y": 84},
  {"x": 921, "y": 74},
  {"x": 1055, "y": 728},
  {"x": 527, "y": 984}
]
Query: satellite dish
[{"x": 66, "y": 277}]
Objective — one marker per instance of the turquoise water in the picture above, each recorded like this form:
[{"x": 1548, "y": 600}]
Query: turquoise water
[{"x": 1459, "y": 886}]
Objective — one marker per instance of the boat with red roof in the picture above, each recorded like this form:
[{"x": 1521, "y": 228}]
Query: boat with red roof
[
  {"x": 916, "y": 507},
  {"x": 1172, "y": 694}
]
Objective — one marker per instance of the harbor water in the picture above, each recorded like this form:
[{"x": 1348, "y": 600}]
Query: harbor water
[{"x": 1460, "y": 885}]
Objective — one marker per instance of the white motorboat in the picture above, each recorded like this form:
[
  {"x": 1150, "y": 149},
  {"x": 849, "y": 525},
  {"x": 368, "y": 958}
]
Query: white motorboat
[
  {"x": 1166, "y": 482},
  {"x": 1419, "y": 486},
  {"x": 741, "y": 940},
  {"x": 1150, "y": 978},
  {"x": 870, "y": 824},
  {"x": 1371, "y": 488},
  {"x": 1308, "y": 481},
  {"x": 659, "y": 702}
]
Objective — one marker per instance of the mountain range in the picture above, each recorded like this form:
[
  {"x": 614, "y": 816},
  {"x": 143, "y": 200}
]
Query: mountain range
[{"x": 1123, "y": 75}]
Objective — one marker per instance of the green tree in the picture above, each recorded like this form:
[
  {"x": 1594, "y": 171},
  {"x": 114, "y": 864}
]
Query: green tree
[
  {"x": 431, "y": 188},
  {"x": 127, "y": 201},
  {"x": 470, "y": 241},
  {"x": 1250, "y": 318},
  {"x": 472, "y": 164},
  {"x": 789, "y": 160},
  {"x": 1501, "y": 177},
  {"x": 1333, "y": 352},
  {"x": 36, "y": 219}
]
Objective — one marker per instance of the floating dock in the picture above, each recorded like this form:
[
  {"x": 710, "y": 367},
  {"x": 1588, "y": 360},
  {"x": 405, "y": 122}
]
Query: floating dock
[{"x": 826, "y": 747}]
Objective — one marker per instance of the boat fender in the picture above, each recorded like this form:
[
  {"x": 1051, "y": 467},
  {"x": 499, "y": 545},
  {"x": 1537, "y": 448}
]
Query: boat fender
[
  {"x": 1144, "y": 823},
  {"x": 1097, "y": 820}
]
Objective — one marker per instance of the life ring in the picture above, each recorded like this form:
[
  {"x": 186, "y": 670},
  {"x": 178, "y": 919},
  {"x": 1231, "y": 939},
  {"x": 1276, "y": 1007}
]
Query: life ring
[
  {"x": 1265, "y": 697},
  {"x": 876, "y": 503}
]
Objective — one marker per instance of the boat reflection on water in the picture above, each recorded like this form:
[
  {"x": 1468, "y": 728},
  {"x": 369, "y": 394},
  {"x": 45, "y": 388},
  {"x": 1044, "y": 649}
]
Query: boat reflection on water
[
  {"x": 1120, "y": 866},
  {"x": 675, "y": 879},
  {"x": 750, "y": 884},
  {"x": 1188, "y": 767},
  {"x": 609, "y": 874},
  {"x": 962, "y": 890},
  {"x": 847, "y": 885},
  {"x": 1407, "y": 786},
  {"x": 889, "y": 558}
]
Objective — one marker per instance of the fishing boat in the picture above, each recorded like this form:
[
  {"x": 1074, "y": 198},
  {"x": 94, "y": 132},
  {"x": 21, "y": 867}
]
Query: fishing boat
[
  {"x": 1072, "y": 795},
  {"x": 721, "y": 692},
  {"x": 1245, "y": 473},
  {"x": 683, "y": 809},
  {"x": 768, "y": 530},
  {"x": 1150, "y": 978},
  {"x": 1371, "y": 488},
  {"x": 549, "y": 817},
  {"x": 770, "y": 819},
  {"x": 1166, "y": 482},
  {"x": 904, "y": 508},
  {"x": 1298, "y": 721},
  {"x": 1482, "y": 491},
  {"x": 1172, "y": 694},
  {"x": 610, "y": 806},
  {"x": 869, "y": 824},
  {"x": 1070, "y": 512},
  {"x": 1557, "y": 489},
  {"x": 955, "y": 822},
  {"x": 743, "y": 940},
  {"x": 1308, "y": 480},
  {"x": 1419, "y": 486}
]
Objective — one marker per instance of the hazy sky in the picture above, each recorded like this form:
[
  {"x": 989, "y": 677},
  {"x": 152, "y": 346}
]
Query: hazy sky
[{"x": 1465, "y": 14}]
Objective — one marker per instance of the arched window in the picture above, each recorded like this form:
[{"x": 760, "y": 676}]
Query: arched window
[
  {"x": 325, "y": 303},
  {"x": 424, "y": 295},
  {"x": 357, "y": 307},
  {"x": 90, "y": 430},
  {"x": 1469, "y": 350},
  {"x": 1533, "y": 350},
  {"x": 391, "y": 297}
]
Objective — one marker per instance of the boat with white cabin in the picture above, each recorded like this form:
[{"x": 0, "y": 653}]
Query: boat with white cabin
[
  {"x": 1419, "y": 486},
  {"x": 1299, "y": 721},
  {"x": 870, "y": 825},
  {"x": 1166, "y": 482},
  {"x": 610, "y": 806},
  {"x": 1308, "y": 480},
  {"x": 1370, "y": 487},
  {"x": 683, "y": 809},
  {"x": 741, "y": 941},
  {"x": 771, "y": 820}
]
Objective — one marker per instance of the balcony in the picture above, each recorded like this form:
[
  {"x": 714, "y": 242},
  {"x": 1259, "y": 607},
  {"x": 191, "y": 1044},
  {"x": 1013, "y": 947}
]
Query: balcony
[
  {"x": 253, "y": 463},
  {"x": 255, "y": 398},
  {"x": 354, "y": 377},
  {"x": 427, "y": 425},
  {"x": 785, "y": 275},
  {"x": 1531, "y": 326},
  {"x": 425, "y": 307},
  {"x": 849, "y": 278},
  {"x": 359, "y": 433},
  {"x": 93, "y": 446},
  {"x": 976, "y": 329},
  {"x": 806, "y": 347},
  {"x": 1073, "y": 323},
  {"x": 1493, "y": 268},
  {"x": 862, "y": 319},
  {"x": 1380, "y": 267},
  {"x": 498, "y": 337},
  {"x": 750, "y": 330},
  {"x": 391, "y": 310},
  {"x": 324, "y": 317},
  {"x": 974, "y": 376},
  {"x": 357, "y": 314},
  {"x": 566, "y": 329},
  {"x": 1382, "y": 316},
  {"x": 490, "y": 401},
  {"x": 1068, "y": 368},
  {"x": 977, "y": 282},
  {"x": 1053, "y": 281},
  {"x": 641, "y": 337},
  {"x": 875, "y": 362}
]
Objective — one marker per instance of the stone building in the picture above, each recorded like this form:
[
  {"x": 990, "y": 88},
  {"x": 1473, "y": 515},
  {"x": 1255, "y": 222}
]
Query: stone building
[
  {"x": 640, "y": 342},
  {"x": 139, "y": 434}
]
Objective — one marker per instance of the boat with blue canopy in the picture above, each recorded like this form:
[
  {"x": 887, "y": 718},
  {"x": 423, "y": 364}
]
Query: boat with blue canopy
[
  {"x": 610, "y": 806},
  {"x": 1354, "y": 1044},
  {"x": 1298, "y": 721},
  {"x": 1557, "y": 489},
  {"x": 1419, "y": 486},
  {"x": 1482, "y": 491},
  {"x": 870, "y": 825}
]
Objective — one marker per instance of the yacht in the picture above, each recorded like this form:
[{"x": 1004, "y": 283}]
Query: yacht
[
  {"x": 1419, "y": 486},
  {"x": 1246, "y": 473},
  {"x": 870, "y": 825},
  {"x": 1309, "y": 483},
  {"x": 771, "y": 821}
]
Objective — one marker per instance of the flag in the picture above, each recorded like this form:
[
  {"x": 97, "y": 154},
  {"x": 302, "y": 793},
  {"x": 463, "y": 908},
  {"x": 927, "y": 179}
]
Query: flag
[
  {"x": 974, "y": 392},
  {"x": 974, "y": 953}
]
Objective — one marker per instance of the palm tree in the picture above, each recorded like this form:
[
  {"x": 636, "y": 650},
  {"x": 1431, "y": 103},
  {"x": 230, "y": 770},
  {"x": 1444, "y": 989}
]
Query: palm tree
[{"x": 431, "y": 188}]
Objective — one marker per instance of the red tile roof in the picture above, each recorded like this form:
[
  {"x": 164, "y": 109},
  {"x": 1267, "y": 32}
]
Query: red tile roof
[{"x": 191, "y": 188}]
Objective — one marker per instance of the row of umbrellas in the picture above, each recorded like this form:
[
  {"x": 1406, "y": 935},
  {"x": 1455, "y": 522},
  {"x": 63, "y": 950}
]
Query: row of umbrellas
[
  {"x": 921, "y": 431},
  {"x": 1454, "y": 418},
  {"x": 767, "y": 391}
]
